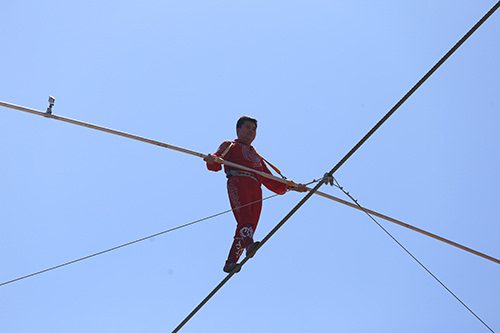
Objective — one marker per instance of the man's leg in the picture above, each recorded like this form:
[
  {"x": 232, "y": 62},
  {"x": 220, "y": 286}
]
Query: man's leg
[
  {"x": 245, "y": 195},
  {"x": 246, "y": 233},
  {"x": 234, "y": 254}
]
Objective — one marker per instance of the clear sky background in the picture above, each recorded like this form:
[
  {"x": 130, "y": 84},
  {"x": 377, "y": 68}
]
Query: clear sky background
[{"x": 317, "y": 75}]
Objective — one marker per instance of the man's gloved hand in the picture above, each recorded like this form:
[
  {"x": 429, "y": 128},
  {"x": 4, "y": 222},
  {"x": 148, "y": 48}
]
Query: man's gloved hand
[
  {"x": 210, "y": 159},
  {"x": 299, "y": 188}
]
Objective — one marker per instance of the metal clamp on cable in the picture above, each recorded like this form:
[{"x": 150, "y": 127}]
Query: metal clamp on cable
[{"x": 327, "y": 179}]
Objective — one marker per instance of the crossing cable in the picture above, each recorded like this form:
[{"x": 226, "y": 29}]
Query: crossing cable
[
  {"x": 336, "y": 184},
  {"x": 132, "y": 242},
  {"x": 244, "y": 261},
  {"x": 344, "y": 159},
  {"x": 415, "y": 87}
]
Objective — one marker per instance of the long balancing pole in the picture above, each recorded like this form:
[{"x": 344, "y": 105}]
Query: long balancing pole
[{"x": 49, "y": 114}]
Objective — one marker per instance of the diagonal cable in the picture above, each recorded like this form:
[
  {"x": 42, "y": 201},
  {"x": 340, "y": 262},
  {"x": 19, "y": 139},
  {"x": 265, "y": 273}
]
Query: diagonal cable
[
  {"x": 410, "y": 254},
  {"x": 346, "y": 157},
  {"x": 130, "y": 243},
  {"x": 415, "y": 87},
  {"x": 243, "y": 262}
]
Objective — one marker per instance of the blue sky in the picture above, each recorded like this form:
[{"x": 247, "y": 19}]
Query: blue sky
[{"x": 317, "y": 75}]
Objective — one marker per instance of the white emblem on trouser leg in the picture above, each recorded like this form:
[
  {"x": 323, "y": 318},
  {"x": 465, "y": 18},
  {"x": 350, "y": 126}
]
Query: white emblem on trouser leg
[
  {"x": 239, "y": 247},
  {"x": 246, "y": 232}
]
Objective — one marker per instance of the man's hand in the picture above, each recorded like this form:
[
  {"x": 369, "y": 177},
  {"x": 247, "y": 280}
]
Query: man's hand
[
  {"x": 299, "y": 188},
  {"x": 210, "y": 159}
]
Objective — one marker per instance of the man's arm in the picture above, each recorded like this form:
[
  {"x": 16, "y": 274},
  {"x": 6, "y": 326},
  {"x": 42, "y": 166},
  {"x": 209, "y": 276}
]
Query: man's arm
[
  {"x": 299, "y": 188},
  {"x": 212, "y": 165},
  {"x": 278, "y": 187},
  {"x": 210, "y": 159}
]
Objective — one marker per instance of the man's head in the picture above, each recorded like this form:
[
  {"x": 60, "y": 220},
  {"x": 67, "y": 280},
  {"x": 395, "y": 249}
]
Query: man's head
[{"x": 246, "y": 129}]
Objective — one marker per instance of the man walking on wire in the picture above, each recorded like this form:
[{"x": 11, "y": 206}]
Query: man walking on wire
[{"x": 244, "y": 188}]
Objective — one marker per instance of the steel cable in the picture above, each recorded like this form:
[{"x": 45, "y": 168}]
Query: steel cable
[
  {"x": 345, "y": 158},
  {"x": 410, "y": 254},
  {"x": 130, "y": 243}
]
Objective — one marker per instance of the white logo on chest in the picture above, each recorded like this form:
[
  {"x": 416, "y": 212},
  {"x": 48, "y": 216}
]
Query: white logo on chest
[{"x": 251, "y": 155}]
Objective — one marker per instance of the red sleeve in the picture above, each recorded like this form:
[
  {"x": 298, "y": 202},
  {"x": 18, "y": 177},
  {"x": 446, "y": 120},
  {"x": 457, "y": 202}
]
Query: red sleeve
[
  {"x": 218, "y": 153},
  {"x": 273, "y": 185}
]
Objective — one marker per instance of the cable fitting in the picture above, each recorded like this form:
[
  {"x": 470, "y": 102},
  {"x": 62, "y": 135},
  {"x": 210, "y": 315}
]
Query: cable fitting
[{"x": 327, "y": 179}]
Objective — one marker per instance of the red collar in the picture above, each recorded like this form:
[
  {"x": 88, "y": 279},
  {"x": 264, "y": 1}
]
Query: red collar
[{"x": 242, "y": 142}]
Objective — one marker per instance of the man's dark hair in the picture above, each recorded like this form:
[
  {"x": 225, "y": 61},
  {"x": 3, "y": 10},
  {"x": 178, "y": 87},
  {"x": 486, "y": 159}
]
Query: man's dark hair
[{"x": 242, "y": 120}]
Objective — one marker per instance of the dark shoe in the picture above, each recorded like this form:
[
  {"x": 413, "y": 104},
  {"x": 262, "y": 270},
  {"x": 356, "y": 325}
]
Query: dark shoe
[
  {"x": 229, "y": 268},
  {"x": 252, "y": 249}
]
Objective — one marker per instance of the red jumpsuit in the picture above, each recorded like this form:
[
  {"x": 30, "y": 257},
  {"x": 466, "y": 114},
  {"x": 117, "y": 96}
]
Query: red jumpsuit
[{"x": 243, "y": 189}]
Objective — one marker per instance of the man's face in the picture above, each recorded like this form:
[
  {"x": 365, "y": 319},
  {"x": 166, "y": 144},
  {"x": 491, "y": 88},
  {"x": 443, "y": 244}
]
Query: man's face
[{"x": 247, "y": 132}]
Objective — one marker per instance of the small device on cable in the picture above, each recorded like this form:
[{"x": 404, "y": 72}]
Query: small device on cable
[{"x": 52, "y": 100}]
